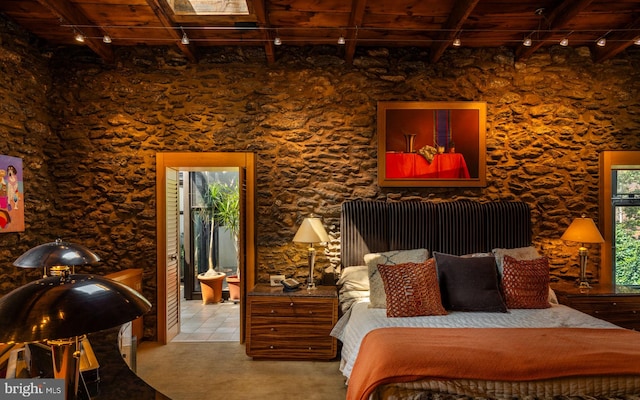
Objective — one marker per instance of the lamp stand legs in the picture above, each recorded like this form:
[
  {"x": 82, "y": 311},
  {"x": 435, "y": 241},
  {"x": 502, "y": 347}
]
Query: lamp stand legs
[
  {"x": 584, "y": 283},
  {"x": 66, "y": 364},
  {"x": 312, "y": 260}
]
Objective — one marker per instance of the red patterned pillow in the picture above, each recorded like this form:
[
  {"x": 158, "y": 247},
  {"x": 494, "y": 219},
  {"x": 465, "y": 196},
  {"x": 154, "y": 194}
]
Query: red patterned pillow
[
  {"x": 412, "y": 289},
  {"x": 526, "y": 283}
]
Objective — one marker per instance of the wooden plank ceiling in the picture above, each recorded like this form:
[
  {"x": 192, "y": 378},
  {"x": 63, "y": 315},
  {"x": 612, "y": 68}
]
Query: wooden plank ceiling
[{"x": 433, "y": 24}]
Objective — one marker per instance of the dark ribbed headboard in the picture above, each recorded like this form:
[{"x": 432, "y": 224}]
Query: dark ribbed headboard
[{"x": 456, "y": 227}]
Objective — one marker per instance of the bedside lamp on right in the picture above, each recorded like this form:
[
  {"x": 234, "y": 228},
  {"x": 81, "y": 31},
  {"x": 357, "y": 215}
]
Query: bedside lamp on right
[{"x": 583, "y": 230}]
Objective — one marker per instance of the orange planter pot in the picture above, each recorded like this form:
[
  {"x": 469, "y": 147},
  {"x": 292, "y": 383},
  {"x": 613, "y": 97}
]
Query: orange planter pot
[
  {"x": 211, "y": 287},
  {"x": 234, "y": 287}
]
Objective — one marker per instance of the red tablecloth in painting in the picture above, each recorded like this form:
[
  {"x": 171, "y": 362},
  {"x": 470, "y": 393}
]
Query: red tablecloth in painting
[{"x": 413, "y": 165}]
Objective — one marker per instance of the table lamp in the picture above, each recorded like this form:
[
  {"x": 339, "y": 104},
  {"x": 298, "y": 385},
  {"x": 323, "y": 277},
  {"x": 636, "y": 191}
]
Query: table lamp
[
  {"x": 311, "y": 231},
  {"x": 583, "y": 230},
  {"x": 60, "y": 310},
  {"x": 56, "y": 256}
]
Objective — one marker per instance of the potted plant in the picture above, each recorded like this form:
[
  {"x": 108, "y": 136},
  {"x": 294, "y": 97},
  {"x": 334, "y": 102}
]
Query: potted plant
[
  {"x": 227, "y": 214},
  {"x": 222, "y": 208}
]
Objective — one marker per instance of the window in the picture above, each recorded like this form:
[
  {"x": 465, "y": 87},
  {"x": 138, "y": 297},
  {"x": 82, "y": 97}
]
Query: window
[
  {"x": 620, "y": 217},
  {"x": 209, "y": 7},
  {"x": 625, "y": 202}
]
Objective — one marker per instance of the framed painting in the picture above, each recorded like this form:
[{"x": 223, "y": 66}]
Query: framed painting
[
  {"x": 437, "y": 144},
  {"x": 11, "y": 195}
]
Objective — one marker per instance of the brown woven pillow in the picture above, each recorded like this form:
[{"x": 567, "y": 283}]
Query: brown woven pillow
[
  {"x": 412, "y": 289},
  {"x": 526, "y": 283}
]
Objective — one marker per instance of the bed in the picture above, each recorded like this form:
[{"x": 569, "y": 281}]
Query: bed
[{"x": 472, "y": 342}]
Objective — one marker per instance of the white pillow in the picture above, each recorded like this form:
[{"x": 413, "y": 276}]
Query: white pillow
[
  {"x": 354, "y": 278},
  {"x": 377, "y": 296},
  {"x": 519, "y": 253}
]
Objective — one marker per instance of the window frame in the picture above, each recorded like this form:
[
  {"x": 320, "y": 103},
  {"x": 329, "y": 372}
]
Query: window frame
[{"x": 609, "y": 161}]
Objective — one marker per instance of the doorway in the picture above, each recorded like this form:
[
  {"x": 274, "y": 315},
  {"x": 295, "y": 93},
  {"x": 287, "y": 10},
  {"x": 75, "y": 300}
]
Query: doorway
[{"x": 169, "y": 253}]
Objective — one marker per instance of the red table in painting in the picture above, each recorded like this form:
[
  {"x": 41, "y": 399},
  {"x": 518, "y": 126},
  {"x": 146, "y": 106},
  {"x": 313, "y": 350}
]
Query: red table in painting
[{"x": 412, "y": 165}]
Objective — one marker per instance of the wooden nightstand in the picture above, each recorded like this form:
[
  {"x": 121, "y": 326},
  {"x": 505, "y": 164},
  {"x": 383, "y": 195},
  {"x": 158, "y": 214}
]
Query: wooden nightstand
[
  {"x": 619, "y": 305},
  {"x": 292, "y": 325}
]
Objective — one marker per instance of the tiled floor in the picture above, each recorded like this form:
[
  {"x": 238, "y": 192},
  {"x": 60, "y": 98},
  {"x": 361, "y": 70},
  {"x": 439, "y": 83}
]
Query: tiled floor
[{"x": 208, "y": 322}]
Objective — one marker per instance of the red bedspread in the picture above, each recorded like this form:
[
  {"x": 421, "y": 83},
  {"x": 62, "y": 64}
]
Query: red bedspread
[{"x": 498, "y": 354}]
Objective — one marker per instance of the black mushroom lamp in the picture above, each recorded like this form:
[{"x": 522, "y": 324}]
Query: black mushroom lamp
[
  {"x": 60, "y": 310},
  {"x": 56, "y": 255}
]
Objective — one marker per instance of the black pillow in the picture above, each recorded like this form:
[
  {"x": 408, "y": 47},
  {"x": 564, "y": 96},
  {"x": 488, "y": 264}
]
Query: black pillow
[{"x": 469, "y": 284}]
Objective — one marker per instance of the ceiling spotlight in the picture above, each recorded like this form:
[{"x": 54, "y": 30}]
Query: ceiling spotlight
[
  {"x": 79, "y": 37},
  {"x": 637, "y": 42},
  {"x": 341, "y": 40},
  {"x": 277, "y": 41},
  {"x": 185, "y": 38},
  {"x": 564, "y": 42},
  {"x": 527, "y": 42},
  {"x": 106, "y": 39},
  {"x": 457, "y": 42},
  {"x": 601, "y": 42}
]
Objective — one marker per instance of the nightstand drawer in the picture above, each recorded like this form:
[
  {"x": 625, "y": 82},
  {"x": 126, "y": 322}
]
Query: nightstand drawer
[
  {"x": 298, "y": 308},
  {"x": 283, "y": 349},
  {"x": 265, "y": 327}
]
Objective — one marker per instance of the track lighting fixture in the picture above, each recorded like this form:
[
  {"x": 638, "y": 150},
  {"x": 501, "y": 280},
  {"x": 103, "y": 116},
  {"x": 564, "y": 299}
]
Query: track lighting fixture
[
  {"x": 601, "y": 42},
  {"x": 185, "y": 38},
  {"x": 526, "y": 42},
  {"x": 564, "y": 42},
  {"x": 341, "y": 40},
  {"x": 277, "y": 41},
  {"x": 637, "y": 42},
  {"x": 106, "y": 39},
  {"x": 457, "y": 42},
  {"x": 79, "y": 37}
]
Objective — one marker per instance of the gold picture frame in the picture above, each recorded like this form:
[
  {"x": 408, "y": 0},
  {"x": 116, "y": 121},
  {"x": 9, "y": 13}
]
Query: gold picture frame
[{"x": 431, "y": 144}]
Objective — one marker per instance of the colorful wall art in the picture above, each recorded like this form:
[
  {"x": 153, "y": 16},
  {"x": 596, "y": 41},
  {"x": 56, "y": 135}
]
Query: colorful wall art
[{"x": 11, "y": 195}]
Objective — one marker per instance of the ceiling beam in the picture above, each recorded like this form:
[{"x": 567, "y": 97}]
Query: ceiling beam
[
  {"x": 263, "y": 22},
  {"x": 557, "y": 19},
  {"x": 173, "y": 32},
  {"x": 355, "y": 20},
  {"x": 459, "y": 14},
  {"x": 72, "y": 15},
  {"x": 617, "y": 42}
]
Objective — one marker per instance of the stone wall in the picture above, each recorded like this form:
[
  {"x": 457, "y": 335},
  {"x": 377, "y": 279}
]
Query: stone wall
[
  {"x": 25, "y": 132},
  {"x": 311, "y": 121}
]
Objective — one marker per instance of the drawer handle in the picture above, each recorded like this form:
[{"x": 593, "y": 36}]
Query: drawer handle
[
  {"x": 291, "y": 304},
  {"x": 310, "y": 348},
  {"x": 271, "y": 347},
  {"x": 614, "y": 304},
  {"x": 310, "y": 312},
  {"x": 273, "y": 329},
  {"x": 273, "y": 311},
  {"x": 596, "y": 312}
]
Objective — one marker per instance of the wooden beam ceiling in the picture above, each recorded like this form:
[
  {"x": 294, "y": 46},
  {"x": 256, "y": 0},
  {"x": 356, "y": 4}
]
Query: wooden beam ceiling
[
  {"x": 457, "y": 17},
  {"x": 73, "y": 16},
  {"x": 558, "y": 19}
]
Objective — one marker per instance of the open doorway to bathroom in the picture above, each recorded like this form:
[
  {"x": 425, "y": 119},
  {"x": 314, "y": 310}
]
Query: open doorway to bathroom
[{"x": 209, "y": 246}]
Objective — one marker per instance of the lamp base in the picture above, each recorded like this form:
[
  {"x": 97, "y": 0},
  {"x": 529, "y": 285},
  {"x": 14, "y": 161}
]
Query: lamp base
[
  {"x": 311, "y": 286},
  {"x": 584, "y": 286}
]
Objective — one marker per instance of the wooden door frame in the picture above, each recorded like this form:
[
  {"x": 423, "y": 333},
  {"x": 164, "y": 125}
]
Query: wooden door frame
[{"x": 194, "y": 162}]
